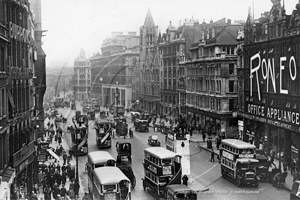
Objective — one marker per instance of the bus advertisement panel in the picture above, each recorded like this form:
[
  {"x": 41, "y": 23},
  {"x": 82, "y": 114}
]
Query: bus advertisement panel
[
  {"x": 80, "y": 140},
  {"x": 103, "y": 134}
]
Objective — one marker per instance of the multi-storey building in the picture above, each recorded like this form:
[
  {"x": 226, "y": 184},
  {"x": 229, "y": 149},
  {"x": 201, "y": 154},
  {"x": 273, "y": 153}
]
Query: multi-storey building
[
  {"x": 20, "y": 112},
  {"x": 272, "y": 91},
  {"x": 173, "y": 48},
  {"x": 240, "y": 75},
  {"x": 82, "y": 77},
  {"x": 149, "y": 66},
  {"x": 114, "y": 70},
  {"x": 211, "y": 78}
]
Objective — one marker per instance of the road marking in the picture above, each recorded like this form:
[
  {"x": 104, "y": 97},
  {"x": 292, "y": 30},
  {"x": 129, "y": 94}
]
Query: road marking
[{"x": 206, "y": 171}]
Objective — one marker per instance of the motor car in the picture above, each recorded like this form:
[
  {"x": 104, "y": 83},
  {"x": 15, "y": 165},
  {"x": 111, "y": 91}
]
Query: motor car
[
  {"x": 153, "y": 140},
  {"x": 141, "y": 125}
]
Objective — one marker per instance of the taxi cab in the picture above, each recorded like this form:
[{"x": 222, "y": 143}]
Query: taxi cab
[{"x": 153, "y": 140}]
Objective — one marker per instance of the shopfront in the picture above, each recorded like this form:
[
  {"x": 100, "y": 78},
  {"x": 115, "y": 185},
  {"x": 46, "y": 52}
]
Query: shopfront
[{"x": 23, "y": 162}]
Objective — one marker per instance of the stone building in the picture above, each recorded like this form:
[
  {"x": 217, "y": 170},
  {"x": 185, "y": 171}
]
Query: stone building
[
  {"x": 113, "y": 70},
  {"x": 149, "y": 66},
  {"x": 174, "y": 47},
  {"x": 211, "y": 78},
  {"x": 22, "y": 86},
  {"x": 271, "y": 62},
  {"x": 82, "y": 78}
]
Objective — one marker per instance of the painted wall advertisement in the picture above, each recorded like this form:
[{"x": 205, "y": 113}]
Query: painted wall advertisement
[{"x": 262, "y": 71}]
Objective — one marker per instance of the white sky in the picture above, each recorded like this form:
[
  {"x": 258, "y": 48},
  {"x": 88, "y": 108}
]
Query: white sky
[{"x": 76, "y": 24}]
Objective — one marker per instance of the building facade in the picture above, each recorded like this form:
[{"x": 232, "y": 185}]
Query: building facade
[
  {"x": 173, "y": 49},
  {"x": 149, "y": 66},
  {"x": 114, "y": 70},
  {"x": 82, "y": 78},
  {"x": 211, "y": 78},
  {"x": 271, "y": 61},
  {"x": 21, "y": 97}
]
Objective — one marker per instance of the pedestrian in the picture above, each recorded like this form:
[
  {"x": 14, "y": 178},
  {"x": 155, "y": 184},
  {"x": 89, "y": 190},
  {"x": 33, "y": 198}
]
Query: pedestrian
[
  {"x": 293, "y": 166},
  {"x": 59, "y": 139},
  {"x": 64, "y": 177},
  {"x": 185, "y": 180},
  {"x": 212, "y": 156},
  {"x": 203, "y": 136},
  {"x": 76, "y": 187},
  {"x": 273, "y": 157},
  {"x": 130, "y": 133},
  {"x": 65, "y": 156},
  {"x": 63, "y": 191},
  {"x": 85, "y": 197}
]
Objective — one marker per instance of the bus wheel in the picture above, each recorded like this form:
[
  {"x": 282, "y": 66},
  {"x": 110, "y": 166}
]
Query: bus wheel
[{"x": 238, "y": 182}]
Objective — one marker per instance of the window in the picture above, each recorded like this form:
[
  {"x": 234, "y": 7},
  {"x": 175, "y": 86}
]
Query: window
[
  {"x": 232, "y": 104},
  {"x": 231, "y": 68},
  {"x": 231, "y": 86}
]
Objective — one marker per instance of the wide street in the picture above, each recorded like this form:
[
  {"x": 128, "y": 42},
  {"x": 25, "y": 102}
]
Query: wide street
[{"x": 203, "y": 172}]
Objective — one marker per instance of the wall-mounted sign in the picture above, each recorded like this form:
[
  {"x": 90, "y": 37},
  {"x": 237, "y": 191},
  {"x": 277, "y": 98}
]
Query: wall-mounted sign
[{"x": 264, "y": 69}]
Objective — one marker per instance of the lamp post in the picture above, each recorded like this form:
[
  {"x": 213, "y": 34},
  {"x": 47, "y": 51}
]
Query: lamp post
[
  {"x": 117, "y": 96},
  {"x": 101, "y": 91}
]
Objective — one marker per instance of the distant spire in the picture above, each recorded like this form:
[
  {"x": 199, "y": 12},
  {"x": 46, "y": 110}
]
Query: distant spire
[
  {"x": 149, "y": 20},
  {"x": 253, "y": 10},
  {"x": 159, "y": 37}
]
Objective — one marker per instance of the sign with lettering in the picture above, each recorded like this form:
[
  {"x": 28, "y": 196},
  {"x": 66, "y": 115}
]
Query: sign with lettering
[
  {"x": 227, "y": 155},
  {"x": 266, "y": 68},
  {"x": 152, "y": 168}
]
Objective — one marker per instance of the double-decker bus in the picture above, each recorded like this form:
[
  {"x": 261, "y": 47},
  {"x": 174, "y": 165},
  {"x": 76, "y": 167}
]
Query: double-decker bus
[
  {"x": 238, "y": 162},
  {"x": 162, "y": 167},
  {"x": 103, "y": 134},
  {"x": 79, "y": 139},
  {"x": 110, "y": 183}
]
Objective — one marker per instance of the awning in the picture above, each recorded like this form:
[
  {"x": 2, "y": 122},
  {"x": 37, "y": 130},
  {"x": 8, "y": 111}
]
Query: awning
[
  {"x": 11, "y": 100},
  {"x": 53, "y": 154},
  {"x": 8, "y": 175},
  {"x": 3, "y": 130}
]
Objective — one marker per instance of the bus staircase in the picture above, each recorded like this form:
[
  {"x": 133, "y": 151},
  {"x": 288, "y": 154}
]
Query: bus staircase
[{"x": 178, "y": 172}]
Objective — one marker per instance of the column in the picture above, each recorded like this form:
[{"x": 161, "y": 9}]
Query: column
[
  {"x": 257, "y": 135},
  {"x": 298, "y": 151},
  {"x": 268, "y": 131},
  {"x": 287, "y": 146}
]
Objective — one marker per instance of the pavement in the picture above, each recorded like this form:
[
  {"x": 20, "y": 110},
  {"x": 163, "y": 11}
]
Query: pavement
[
  {"x": 197, "y": 138},
  {"x": 66, "y": 143}
]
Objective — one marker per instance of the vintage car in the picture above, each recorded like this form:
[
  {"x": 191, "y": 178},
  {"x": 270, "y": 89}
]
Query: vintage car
[
  {"x": 141, "y": 125},
  {"x": 153, "y": 140}
]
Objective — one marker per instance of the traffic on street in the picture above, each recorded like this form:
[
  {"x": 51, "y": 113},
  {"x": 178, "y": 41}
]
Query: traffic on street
[{"x": 205, "y": 177}]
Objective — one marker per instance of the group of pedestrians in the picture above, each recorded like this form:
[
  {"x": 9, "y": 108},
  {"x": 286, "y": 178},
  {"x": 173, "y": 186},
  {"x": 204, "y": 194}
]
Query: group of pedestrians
[
  {"x": 57, "y": 180},
  {"x": 53, "y": 179}
]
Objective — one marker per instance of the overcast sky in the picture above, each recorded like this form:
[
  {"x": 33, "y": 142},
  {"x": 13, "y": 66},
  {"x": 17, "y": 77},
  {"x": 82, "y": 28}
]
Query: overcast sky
[{"x": 76, "y": 24}]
